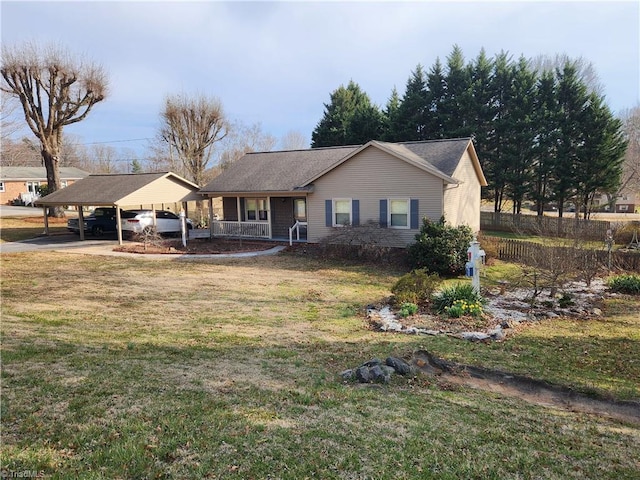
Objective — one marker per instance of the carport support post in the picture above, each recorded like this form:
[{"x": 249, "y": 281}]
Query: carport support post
[
  {"x": 81, "y": 222},
  {"x": 210, "y": 217},
  {"x": 118, "y": 225},
  {"x": 46, "y": 221}
]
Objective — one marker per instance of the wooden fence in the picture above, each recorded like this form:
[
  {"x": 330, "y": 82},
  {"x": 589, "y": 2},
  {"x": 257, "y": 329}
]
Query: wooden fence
[
  {"x": 547, "y": 256},
  {"x": 545, "y": 226}
]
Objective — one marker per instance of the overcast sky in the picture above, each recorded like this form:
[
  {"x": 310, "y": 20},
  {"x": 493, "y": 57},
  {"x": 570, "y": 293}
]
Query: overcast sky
[{"x": 276, "y": 63}]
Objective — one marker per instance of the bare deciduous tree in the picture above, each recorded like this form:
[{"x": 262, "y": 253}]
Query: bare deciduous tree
[
  {"x": 192, "y": 126},
  {"x": 244, "y": 139},
  {"x": 54, "y": 89},
  {"x": 631, "y": 166},
  {"x": 294, "y": 140},
  {"x": 9, "y": 124}
]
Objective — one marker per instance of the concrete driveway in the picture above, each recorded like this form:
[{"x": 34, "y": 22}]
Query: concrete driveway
[
  {"x": 56, "y": 242},
  {"x": 11, "y": 211}
]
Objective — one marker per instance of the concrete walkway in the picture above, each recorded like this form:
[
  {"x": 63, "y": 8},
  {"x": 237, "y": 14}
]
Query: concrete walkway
[{"x": 107, "y": 250}]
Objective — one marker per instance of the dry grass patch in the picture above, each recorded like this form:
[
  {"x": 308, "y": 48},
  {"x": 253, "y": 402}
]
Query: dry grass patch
[{"x": 123, "y": 368}]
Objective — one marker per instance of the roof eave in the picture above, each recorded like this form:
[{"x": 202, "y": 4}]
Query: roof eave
[{"x": 252, "y": 193}]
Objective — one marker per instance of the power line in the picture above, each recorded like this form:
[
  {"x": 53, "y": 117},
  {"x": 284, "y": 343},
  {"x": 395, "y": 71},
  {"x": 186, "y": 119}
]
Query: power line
[{"x": 113, "y": 141}]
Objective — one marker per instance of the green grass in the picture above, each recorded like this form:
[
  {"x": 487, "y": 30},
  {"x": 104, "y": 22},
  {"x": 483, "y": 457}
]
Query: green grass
[{"x": 128, "y": 368}]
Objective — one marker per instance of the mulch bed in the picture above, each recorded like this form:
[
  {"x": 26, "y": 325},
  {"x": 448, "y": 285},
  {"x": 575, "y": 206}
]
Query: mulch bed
[{"x": 197, "y": 246}]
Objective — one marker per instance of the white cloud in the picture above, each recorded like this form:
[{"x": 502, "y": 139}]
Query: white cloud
[{"x": 277, "y": 62}]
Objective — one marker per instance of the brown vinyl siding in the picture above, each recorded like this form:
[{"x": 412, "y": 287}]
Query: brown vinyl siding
[
  {"x": 462, "y": 202},
  {"x": 370, "y": 176}
]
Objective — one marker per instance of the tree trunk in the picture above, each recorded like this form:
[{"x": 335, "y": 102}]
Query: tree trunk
[{"x": 50, "y": 158}]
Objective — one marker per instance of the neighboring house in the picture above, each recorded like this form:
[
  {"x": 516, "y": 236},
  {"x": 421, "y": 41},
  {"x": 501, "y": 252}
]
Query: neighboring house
[
  {"x": 627, "y": 201},
  {"x": 21, "y": 184},
  {"x": 395, "y": 185}
]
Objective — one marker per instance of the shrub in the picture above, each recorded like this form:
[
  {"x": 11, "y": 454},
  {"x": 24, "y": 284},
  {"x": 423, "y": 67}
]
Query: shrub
[
  {"x": 407, "y": 309},
  {"x": 460, "y": 292},
  {"x": 625, "y": 284},
  {"x": 440, "y": 248},
  {"x": 416, "y": 287}
]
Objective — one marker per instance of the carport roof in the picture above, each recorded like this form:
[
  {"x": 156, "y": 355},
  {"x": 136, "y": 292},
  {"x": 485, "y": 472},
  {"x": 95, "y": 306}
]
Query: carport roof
[{"x": 124, "y": 189}]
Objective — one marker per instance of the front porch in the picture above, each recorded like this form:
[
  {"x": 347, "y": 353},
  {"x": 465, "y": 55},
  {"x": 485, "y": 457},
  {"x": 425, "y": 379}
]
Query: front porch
[{"x": 281, "y": 218}]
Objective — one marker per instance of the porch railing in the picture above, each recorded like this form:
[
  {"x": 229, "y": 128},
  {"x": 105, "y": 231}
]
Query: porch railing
[
  {"x": 222, "y": 228},
  {"x": 296, "y": 227}
]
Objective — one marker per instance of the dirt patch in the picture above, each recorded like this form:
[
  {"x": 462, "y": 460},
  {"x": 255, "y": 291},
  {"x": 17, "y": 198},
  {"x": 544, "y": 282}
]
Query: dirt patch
[
  {"x": 524, "y": 388},
  {"x": 197, "y": 246},
  {"x": 50, "y": 220}
]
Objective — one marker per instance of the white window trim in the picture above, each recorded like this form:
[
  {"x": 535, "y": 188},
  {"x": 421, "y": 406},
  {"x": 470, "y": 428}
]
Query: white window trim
[
  {"x": 2, "y": 188},
  {"x": 399, "y": 227},
  {"x": 334, "y": 211},
  {"x": 246, "y": 209}
]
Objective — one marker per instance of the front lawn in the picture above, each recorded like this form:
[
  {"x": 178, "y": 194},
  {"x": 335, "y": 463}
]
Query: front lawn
[{"x": 133, "y": 368}]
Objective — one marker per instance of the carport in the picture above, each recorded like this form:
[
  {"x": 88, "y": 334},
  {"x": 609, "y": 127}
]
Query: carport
[{"x": 119, "y": 191}]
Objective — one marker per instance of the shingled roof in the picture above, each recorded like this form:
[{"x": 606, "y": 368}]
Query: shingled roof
[
  {"x": 40, "y": 173},
  {"x": 295, "y": 170},
  {"x": 114, "y": 189},
  {"x": 284, "y": 171}
]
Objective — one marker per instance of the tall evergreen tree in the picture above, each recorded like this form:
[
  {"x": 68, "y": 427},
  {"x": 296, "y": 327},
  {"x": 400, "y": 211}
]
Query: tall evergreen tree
[
  {"x": 455, "y": 108},
  {"x": 496, "y": 157},
  {"x": 481, "y": 112},
  {"x": 572, "y": 98},
  {"x": 411, "y": 112},
  {"x": 350, "y": 118},
  {"x": 545, "y": 120},
  {"x": 601, "y": 153},
  {"x": 521, "y": 133},
  {"x": 435, "y": 97},
  {"x": 390, "y": 116}
]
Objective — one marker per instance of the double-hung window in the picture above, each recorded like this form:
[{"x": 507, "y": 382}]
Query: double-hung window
[
  {"x": 1, "y": 186},
  {"x": 341, "y": 212},
  {"x": 256, "y": 209},
  {"x": 398, "y": 213}
]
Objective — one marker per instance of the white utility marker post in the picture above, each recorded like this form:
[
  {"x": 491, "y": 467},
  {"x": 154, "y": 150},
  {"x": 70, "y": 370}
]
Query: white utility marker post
[
  {"x": 183, "y": 227},
  {"x": 475, "y": 258}
]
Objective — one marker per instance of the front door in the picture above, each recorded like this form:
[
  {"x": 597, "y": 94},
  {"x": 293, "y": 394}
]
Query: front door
[{"x": 300, "y": 209}]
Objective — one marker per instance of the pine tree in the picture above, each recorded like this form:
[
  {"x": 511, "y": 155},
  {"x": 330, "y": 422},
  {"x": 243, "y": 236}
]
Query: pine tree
[
  {"x": 572, "y": 99},
  {"x": 481, "y": 112},
  {"x": 546, "y": 124},
  {"x": 521, "y": 134},
  {"x": 350, "y": 118},
  {"x": 456, "y": 105},
  {"x": 436, "y": 88},
  {"x": 411, "y": 111},
  {"x": 496, "y": 157},
  {"x": 390, "y": 115},
  {"x": 601, "y": 153}
]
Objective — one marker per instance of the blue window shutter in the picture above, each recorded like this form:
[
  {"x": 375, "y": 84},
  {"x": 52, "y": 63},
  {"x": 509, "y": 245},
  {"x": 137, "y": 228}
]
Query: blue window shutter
[
  {"x": 355, "y": 212},
  {"x": 328, "y": 214},
  {"x": 415, "y": 218},
  {"x": 383, "y": 213}
]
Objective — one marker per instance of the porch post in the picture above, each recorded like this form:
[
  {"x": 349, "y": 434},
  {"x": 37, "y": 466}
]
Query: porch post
[
  {"x": 239, "y": 217},
  {"x": 269, "y": 216},
  {"x": 210, "y": 217}
]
